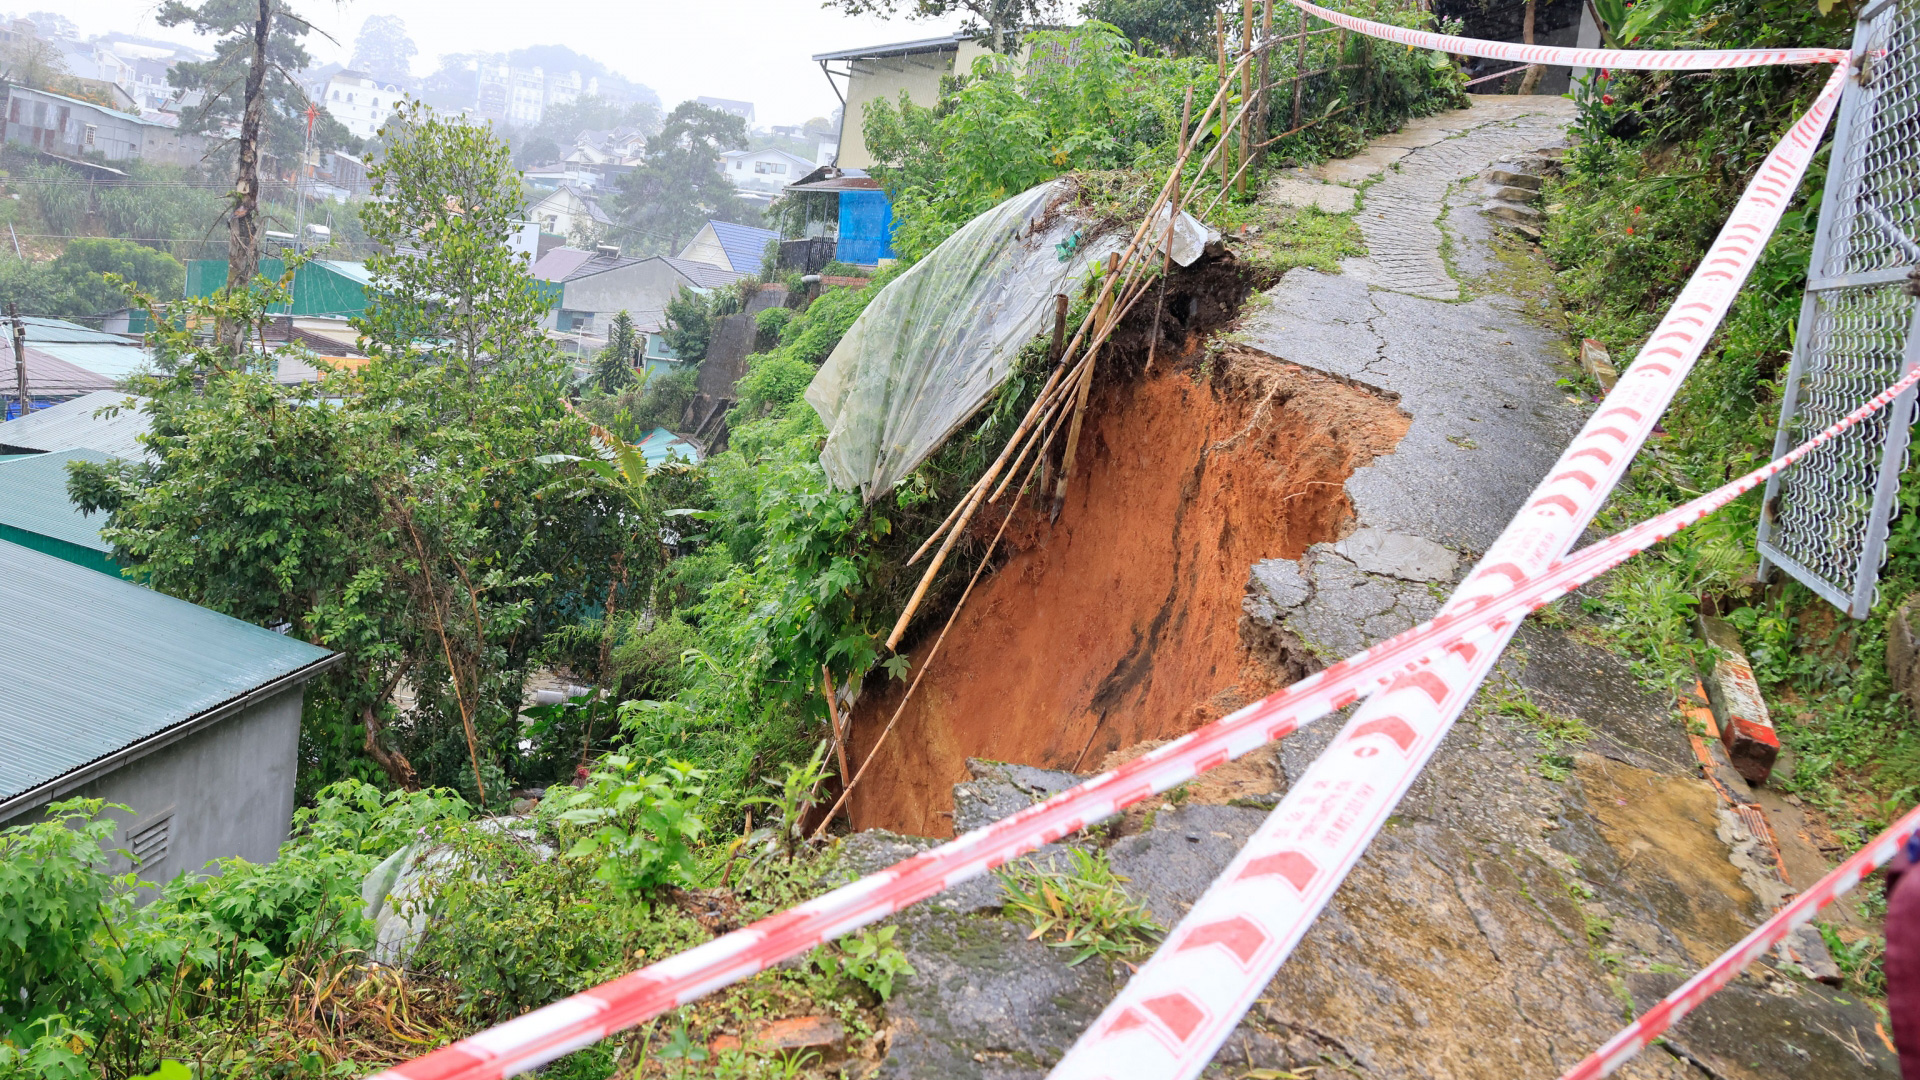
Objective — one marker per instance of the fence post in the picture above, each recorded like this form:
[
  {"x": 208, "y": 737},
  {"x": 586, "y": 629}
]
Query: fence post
[{"x": 1300, "y": 69}]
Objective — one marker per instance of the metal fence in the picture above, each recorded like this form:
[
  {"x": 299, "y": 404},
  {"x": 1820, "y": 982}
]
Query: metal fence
[{"x": 1825, "y": 521}]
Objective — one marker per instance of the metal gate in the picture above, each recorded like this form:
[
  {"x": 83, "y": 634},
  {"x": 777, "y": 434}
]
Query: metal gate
[{"x": 1825, "y": 520}]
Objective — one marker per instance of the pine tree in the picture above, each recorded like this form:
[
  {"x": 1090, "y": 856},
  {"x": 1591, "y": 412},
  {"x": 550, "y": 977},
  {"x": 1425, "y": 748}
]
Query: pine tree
[{"x": 613, "y": 369}]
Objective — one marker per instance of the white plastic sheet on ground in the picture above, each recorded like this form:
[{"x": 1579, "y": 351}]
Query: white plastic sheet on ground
[{"x": 940, "y": 338}]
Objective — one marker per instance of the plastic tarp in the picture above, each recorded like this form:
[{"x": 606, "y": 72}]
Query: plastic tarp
[{"x": 941, "y": 337}]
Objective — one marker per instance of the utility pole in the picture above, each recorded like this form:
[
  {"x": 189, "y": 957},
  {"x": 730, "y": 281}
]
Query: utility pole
[{"x": 19, "y": 357}]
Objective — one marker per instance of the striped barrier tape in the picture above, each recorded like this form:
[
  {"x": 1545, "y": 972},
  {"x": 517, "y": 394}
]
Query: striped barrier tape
[
  {"x": 567, "y": 1025},
  {"x": 1560, "y": 55},
  {"x": 1839, "y": 881},
  {"x": 541, "y": 1036},
  {"x": 1174, "y": 1013}
]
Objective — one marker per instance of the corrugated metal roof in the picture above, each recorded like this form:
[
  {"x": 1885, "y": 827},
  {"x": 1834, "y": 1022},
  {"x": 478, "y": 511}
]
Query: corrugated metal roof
[
  {"x": 104, "y": 354},
  {"x": 557, "y": 264},
  {"x": 904, "y": 48},
  {"x": 72, "y": 424},
  {"x": 660, "y": 444},
  {"x": 746, "y": 246},
  {"x": 94, "y": 665},
  {"x": 48, "y": 378},
  {"x": 33, "y": 498},
  {"x": 703, "y": 275}
]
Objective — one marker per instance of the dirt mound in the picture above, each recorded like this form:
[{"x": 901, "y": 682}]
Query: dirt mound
[{"x": 1118, "y": 623}]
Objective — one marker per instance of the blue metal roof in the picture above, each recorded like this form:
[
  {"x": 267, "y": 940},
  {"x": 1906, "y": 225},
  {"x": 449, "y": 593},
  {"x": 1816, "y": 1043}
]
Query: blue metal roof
[
  {"x": 661, "y": 444},
  {"x": 33, "y": 498},
  {"x": 96, "y": 665},
  {"x": 746, "y": 246}
]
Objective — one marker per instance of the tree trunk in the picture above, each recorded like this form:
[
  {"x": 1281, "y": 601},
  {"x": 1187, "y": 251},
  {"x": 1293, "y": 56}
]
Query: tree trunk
[
  {"x": 1532, "y": 78},
  {"x": 243, "y": 239},
  {"x": 392, "y": 762}
]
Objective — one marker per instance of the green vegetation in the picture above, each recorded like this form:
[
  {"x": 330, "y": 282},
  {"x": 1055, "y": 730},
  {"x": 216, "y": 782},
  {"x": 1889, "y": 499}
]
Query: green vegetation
[
  {"x": 462, "y": 512},
  {"x": 1659, "y": 167},
  {"x": 1081, "y": 908}
]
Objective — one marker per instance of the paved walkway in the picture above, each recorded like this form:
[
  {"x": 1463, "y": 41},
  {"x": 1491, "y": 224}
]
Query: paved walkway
[{"x": 1405, "y": 179}]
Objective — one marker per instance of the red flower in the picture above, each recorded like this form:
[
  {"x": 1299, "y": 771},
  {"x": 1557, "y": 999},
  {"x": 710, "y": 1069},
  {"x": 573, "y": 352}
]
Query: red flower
[
  {"x": 1603, "y": 75},
  {"x": 1636, "y": 209},
  {"x": 1629, "y": 230},
  {"x": 1606, "y": 99}
]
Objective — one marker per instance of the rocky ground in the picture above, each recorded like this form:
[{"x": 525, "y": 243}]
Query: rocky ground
[{"x": 1562, "y": 864}]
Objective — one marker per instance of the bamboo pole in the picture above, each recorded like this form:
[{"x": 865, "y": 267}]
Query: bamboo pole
[
  {"x": 1080, "y": 405},
  {"x": 1246, "y": 89},
  {"x": 1299, "y": 70},
  {"x": 1166, "y": 264},
  {"x": 1263, "y": 118},
  {"x": 1220, "y": 38}
]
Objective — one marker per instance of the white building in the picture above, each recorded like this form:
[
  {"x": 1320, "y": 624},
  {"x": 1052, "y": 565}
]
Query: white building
[
  {"x": 361, "y": 102},
  {"x": 521, "y": 95},
  {"x": 763, "y": 172}
]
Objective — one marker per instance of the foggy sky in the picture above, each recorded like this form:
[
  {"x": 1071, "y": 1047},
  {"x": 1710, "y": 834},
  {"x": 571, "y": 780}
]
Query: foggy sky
[{"x": 749, "y": 50}]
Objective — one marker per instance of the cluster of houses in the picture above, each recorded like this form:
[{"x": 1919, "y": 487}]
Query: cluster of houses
[{"x": 187, "y": 717}]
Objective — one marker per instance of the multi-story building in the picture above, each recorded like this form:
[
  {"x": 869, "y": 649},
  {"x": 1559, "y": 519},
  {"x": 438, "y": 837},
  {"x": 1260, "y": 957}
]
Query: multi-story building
[{"x": 361, "y": 102}]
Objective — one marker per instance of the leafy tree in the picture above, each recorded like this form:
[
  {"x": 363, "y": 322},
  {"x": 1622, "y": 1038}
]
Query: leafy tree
[
  {"x": 536, "y": 150},
  {"x": 593, "y": 112},
  {"x": 1175, "y": 27},
  {"x": 613, "y": 368},
  {"x": 997, "y": 18},
  {"x": 677, "y": 189},
  {"x": 33, "y": 61},
  {"x": 223, "y": 79},
  {"x": 445, "y": 200},
  {"x": 383, "y": 49},
  {"x": 84, "y": 263},
  {"x": 689, "y": 320}
]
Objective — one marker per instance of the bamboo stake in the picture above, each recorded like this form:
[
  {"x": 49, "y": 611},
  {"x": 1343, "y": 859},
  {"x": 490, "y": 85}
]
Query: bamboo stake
[
  {"x": 840, "y": 735},
  {"x": 1300, "y": 69},
  {"x": 1263, "y": 118},
  {"x": 1166, "y": 264},
  {"x": 1060, "y": 322},
  {"x": 1246, "y": 88},
  {"x": 1220, "y": 34},
  {"x": 1080, "y": 408}
]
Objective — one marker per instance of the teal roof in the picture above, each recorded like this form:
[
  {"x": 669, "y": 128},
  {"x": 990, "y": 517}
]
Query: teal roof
[
  {"x": 105, "y": 420},
  {"x": 96, "y": 665},
  {"x": 660, "y": 444},
  {"x": 33, "y": 498},
  {"x": 84, "y": 347}
]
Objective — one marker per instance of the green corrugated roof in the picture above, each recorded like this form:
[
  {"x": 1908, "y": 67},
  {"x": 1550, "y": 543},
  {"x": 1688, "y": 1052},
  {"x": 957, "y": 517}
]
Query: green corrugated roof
[
  {"x": 95, "y": 664},
  {"x": 33, "y": 498}
]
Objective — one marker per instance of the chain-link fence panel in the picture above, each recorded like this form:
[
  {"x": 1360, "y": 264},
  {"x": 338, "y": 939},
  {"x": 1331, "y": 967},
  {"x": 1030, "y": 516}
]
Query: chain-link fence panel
[{"x": 1825, "y": 520}]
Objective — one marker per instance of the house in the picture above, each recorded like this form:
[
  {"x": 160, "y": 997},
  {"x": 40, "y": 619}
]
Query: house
[
  {"x": 741, "y": 109},
  {"x": 740, "y": 248},
  {"x": 66, "y": 360},
  {"x": 862, "y": 214},
  {"x": 567, "y": 210},
  {"x": 582, "y": 176},
  {"x": 107, "y": 421},
  {"x": 322, "y": 287},
  {"x": 883, "y": 72},
  {"x": 661, "y": 445},
  {"x": 187, "y": 717},
  {"x": 36, "y": 513},
  {"x": 68, "y": 127},
  {"x": 361, "y": 102},
  {"x": 595, "y": 285},
  {"x": 762, "y": 173}
]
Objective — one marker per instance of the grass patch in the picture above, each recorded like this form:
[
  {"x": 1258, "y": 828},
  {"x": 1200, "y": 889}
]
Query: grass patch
[{"x": 1082, "y": 908}]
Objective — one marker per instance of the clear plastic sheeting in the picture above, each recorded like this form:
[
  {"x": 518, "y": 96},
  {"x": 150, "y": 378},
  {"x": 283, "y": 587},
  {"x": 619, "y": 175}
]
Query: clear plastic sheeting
[{"x": 939, "y": 339}]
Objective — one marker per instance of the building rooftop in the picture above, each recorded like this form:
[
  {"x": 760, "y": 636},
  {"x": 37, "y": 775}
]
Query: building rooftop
[
  {"x": 101, "y": 671},
  {"x": 33, "y": 499},
  {"x": 703, "y": 275},
  {"x": 104, "y": 354},
  {"x": 746, "y": 246},
  {"x": 902, "y": 48},
  {"x": 73, "y": 424}
]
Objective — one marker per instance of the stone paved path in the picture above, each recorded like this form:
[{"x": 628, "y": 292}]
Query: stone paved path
[{"x": 1415, "y": 167}]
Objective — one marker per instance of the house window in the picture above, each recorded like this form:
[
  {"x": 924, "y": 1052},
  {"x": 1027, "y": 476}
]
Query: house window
[
  {"x": 90, "y": 131},
  {"x": 148, "y": 845},
  {"x": 739, "y": 164},
  {"x": 778, "y": 168}
]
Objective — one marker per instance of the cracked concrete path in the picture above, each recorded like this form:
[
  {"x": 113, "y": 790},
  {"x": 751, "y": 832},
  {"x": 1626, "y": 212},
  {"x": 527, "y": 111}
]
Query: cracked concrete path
[{"x": 1477, "y": 376}]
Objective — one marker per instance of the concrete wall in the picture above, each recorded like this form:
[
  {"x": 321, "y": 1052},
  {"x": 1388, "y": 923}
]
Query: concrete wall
[
  {"x": 640, "y": 289},
  {"x": 225, "y": 790}
]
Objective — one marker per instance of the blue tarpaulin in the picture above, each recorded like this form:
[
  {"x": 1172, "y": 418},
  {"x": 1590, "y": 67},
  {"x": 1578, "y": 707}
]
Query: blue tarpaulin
[{"x": 866, "y": 228}]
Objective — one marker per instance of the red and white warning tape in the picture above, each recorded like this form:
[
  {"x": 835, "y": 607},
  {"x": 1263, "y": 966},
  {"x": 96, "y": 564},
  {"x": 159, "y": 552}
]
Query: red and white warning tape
[
  {"x": 1625, "y": 59},
  {"x": 1838, "y": 882},
  {"x": 1175, "y": 1012},
  {"x": 1518, "y": 575}
]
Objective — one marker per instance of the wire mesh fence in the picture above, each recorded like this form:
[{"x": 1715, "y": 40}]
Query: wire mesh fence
[{"x": 1825, "y": 521}]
